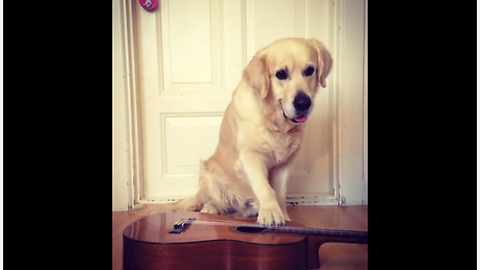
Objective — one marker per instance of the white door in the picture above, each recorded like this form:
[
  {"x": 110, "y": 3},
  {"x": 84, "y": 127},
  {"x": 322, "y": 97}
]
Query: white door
[{"x": 189, "y": 55}]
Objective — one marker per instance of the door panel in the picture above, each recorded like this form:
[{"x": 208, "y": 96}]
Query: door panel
[{"x": 184, "y": 89}]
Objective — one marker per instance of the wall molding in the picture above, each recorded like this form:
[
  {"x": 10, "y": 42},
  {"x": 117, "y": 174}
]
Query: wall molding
[{"x": 132, "y": 145}]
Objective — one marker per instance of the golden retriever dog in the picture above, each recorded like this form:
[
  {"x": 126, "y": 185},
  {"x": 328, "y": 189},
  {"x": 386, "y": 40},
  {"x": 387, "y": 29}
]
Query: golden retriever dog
[{"x": 261, "y": 133}]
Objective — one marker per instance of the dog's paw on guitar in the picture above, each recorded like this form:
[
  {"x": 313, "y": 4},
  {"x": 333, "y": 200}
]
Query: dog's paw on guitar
[{"x": 271, "y": 216}]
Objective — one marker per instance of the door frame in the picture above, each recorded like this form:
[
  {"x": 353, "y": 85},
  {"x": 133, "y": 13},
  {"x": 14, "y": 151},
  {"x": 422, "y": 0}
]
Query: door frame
[
  {"x": 127, "y": 145},
  {"x": 349, "y": 189}
]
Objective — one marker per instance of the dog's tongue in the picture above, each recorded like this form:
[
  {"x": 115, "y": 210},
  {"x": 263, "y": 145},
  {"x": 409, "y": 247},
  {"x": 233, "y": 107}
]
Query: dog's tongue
[{"x": 301, "y": 119}]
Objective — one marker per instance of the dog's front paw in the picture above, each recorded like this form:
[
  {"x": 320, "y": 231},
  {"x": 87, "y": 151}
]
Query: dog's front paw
[
  {"x": 271, "y": 216},
  {"x": 209, "y": 209}
]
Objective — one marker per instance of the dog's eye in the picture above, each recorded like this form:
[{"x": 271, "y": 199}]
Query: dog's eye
[
  {"x": 282, "y": 74},
  {"x": 309, "y": 71}
]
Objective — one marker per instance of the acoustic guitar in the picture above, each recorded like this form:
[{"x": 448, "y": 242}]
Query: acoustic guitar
[{"x": 193, "y": 240}]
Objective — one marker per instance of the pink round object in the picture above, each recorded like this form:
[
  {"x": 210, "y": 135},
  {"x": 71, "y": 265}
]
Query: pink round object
[{"x": 149, "y": 5}]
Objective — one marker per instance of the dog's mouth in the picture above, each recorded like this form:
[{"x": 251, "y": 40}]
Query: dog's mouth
[
  {"x": 301, "y": 118},
  {"x": 298, "y": 119}
]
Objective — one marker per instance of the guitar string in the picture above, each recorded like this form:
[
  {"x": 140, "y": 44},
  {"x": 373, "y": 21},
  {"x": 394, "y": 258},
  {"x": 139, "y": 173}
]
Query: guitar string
[{"x": 285, "y": 229}]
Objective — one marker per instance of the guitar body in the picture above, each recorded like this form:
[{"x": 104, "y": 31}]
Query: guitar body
[{"x": 147, "y": 244}]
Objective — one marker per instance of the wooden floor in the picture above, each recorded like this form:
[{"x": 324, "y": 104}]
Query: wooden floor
[{"x": 337, "y": 256}]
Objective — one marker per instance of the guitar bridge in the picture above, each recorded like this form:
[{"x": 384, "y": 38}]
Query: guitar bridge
[{"x": 179, "y": 226}]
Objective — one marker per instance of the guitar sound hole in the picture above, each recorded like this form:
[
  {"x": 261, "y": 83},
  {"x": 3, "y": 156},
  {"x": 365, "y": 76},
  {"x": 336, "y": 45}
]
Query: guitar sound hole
[{"x": 245, "y": 229}]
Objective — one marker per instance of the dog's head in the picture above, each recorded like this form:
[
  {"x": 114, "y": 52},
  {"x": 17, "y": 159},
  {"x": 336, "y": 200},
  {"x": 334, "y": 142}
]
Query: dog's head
[{"x": 289, "y": 72}]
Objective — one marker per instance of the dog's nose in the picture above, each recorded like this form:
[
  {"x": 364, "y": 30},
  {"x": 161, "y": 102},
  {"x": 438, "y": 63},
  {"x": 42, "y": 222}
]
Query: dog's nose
[{"x": 302, "y": 102}]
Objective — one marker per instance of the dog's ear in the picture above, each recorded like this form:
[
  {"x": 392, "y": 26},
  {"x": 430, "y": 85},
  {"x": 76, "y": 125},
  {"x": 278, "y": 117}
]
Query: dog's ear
[
  {"x": 256, "y": 74},
  {"x": 325, "y": 62}
]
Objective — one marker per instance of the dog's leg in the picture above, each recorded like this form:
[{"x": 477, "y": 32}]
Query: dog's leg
[
  {"x": 279, "y": 177},
  {"x": 255, "y": 170}
]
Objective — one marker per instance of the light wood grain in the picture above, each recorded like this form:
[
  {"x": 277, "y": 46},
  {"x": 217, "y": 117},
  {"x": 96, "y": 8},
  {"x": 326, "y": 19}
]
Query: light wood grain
[{"x": 338, "y": 256}]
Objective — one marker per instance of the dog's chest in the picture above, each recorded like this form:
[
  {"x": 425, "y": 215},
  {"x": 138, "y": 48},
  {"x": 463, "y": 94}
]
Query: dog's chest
[{"x": 279, "y": 147}]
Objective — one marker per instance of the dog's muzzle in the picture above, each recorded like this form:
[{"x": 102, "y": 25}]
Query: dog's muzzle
[{"x": 301, "y": 104}]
